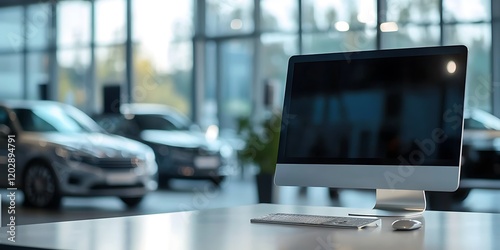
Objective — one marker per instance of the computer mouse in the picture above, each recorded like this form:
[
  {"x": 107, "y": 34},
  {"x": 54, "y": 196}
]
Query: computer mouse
[{"x": 406, "y": 224}]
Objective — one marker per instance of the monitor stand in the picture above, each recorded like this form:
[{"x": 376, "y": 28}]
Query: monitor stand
[{"x": 397, "y": 203}]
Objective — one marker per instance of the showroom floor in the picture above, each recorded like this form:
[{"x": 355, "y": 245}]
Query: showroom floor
[{"x": 195, "y": 195}]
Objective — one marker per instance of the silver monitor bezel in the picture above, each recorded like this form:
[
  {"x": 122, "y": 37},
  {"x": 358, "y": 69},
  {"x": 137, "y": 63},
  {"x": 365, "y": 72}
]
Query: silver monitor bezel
[{"x": 401, "y": 177}]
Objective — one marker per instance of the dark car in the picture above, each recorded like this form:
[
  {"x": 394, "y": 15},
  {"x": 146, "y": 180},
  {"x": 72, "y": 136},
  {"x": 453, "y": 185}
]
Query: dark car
[
  {"x": 51, "y": 150},
  {"x": 480, "y": 153},
  {"x": 481, "y": 145},
  {"x": 182, "y": 149}
]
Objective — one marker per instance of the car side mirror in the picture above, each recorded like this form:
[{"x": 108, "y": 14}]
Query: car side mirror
[{"x": 4, "y": 130}]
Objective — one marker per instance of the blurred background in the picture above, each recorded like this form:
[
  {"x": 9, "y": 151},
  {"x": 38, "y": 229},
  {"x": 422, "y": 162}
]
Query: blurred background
[{"x": 212, "y": 67}]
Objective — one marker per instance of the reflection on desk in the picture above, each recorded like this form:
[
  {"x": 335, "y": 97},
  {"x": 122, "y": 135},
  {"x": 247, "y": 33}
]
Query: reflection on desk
[{"x": 230, "y": 228}]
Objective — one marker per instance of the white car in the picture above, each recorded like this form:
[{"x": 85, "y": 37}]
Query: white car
[{"x": 53, "y": 150}]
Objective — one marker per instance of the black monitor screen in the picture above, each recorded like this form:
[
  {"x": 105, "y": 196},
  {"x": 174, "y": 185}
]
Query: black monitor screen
[{"x": 375, "y": 107}]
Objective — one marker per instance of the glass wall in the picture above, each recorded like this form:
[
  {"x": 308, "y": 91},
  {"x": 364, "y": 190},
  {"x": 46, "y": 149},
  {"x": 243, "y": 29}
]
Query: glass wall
[
  {"x": 274, "y": 50},
  {"x": 110, "y": 17},
  {"x": 36, "y": 59},
  {"x": 10, "y": 72},
  {"x": 279, "y": 15},
  {"x": 73, "y": 54},
  {"x": 284, "y": 28},
  {"x": 37, "y": 74},
  {"x": 81, "y": 46},
  {"x": 229, "y": 17},
  {"x": 163, "y": 52},
  {"x": 11, "y": 28},
  {"x": 11, "y": 44},
  {"x": 37, "y": 26},
  {"x": 236, "y": 58},
  {"x": 109, "y": 52},
  {"x": 469, "y": 23}
]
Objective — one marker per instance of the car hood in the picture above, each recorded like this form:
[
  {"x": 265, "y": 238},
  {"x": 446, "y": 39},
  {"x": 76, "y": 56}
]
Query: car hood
[
  {"x": 97, "y": 144},
  {"x": 184, "y": 139}
]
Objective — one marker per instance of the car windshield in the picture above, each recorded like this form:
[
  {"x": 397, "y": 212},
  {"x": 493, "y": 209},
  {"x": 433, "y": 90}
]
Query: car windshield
[
  {"x": 51, "y": 119},
  {"x": 161, "y": 122},
  {"x": 473, "y": 124},
  {"x": 479, "y": 119}
]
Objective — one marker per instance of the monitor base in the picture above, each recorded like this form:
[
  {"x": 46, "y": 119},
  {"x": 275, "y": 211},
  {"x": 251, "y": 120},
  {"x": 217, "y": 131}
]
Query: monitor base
[{"x": 397, "y": 203}]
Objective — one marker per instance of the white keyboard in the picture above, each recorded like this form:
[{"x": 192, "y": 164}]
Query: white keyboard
[{"x": 317, "y": 220}]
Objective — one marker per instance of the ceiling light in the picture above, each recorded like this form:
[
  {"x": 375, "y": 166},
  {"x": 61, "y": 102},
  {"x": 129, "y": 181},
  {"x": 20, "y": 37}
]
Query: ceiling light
[
  {"x": 236, "y": 24},
  {"x": 389, "y": 27},
  {"x": 342, "y": 26}
]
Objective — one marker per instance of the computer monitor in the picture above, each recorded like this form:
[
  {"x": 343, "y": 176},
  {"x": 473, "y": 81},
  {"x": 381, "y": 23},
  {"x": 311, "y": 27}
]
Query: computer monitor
[{"x": 390, "y": 120}]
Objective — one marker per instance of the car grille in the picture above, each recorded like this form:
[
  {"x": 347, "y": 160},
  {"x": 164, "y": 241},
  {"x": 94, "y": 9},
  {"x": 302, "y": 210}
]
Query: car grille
[
  {"x": 116, "y": 164},
  {"x": 189, "y": 154},
  {"x": 204, "y": 152}
]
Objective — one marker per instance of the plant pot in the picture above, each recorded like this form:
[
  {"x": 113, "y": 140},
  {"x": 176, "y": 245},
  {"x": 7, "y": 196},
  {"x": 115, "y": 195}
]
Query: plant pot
[{"x": 265, "y": 183}]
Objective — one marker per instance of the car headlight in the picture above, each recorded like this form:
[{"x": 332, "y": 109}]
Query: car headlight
[
  {"x": 212, "y": 133},
  {"x": 62, "y": 152},
  {"x": 74, "y": 155}
]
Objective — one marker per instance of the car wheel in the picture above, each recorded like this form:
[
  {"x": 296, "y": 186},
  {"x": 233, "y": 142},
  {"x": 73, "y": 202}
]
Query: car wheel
[
  {"x": 333, "y": 193},
  {"x": 461, "y": 194},
  {"x": 40, "y": 187},
  {"x": 132, "y": 202},
  {"x": 217, "y": 180}
]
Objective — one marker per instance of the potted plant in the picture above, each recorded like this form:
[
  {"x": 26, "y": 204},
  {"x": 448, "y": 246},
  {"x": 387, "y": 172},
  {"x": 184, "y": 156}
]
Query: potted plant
[{"x": 261, "y": 149}]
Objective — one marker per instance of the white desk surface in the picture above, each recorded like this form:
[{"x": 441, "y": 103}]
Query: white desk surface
[{"x": 230, "y": 228}]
